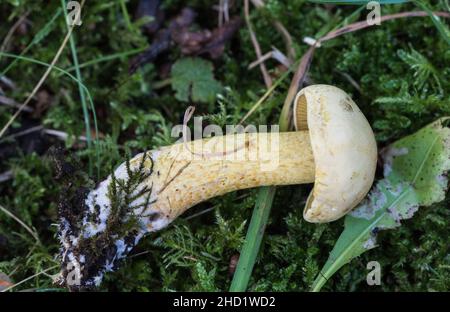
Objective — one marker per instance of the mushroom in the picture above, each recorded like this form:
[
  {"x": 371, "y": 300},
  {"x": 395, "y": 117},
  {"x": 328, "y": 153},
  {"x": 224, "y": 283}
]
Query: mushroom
[
  {"x": 333, "y": 146},
  {"x": 344, "y": 148}
]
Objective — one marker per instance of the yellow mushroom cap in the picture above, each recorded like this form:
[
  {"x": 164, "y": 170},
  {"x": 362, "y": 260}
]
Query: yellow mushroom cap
[{"x": 344, "y": 149}]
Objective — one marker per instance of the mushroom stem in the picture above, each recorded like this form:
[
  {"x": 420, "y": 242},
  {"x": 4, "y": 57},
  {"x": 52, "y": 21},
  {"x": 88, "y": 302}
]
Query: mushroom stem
[{"x": 186, "y": 174}]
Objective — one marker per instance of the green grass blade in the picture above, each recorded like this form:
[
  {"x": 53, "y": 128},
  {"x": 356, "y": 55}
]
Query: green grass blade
[
  {"x": 253, "y": 239},
  {"x": 59, "y": 69},
  {"x": 126, "y": 16},
  {"x": 107, "y": 58},
  {"x": 83, "y": 98},
  {"x": 443, "y": 30},
  {"x": 38, "y": 62},
  {"x": 260, "y": 215}
]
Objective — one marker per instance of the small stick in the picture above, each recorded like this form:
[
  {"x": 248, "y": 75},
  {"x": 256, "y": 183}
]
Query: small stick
[
  {"x": 12, "y": 30},
  {"x": 29, "y": 278},
  {"x": 26, "y": 227},
  {"x": 262, "y": 66}
]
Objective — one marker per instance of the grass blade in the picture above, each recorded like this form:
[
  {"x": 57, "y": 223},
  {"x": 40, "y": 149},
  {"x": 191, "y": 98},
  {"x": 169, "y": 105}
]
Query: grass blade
[
  {"x": 58, "y": 69},
  {"x": 83, "y": 99},
  {"x": 40, "y": 82},
  {"x": 29, "y": 278},
  {"x": 107, "y": 58},
  {"x": 253, "y": 239},
  {"x": 126, "y": 16},
  {"x": 443, "y": 30},
  {"x": 263, "y": 204}
]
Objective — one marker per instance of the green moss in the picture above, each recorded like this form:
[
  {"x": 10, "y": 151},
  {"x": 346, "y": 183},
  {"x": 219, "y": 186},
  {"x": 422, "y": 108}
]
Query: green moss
[{"x": 401, "y": 68}]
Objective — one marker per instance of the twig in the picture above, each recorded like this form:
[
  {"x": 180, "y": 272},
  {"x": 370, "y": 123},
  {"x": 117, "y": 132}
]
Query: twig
[
  {"x": 6, "y": 81},
  {"x": 262, "y": 59},
  {"x": 26, "y": 227},
  {"x": 11, "y": 103},
  {"x": 282, "y": 30},
  {"x": 195, "y": 215},
  {"x": 262, "y": 66},
  {"x": 140, "y": 254},
  {"x": 201, "y": 212},
  {"x": 12, "y": 30},
  {"x": 28, "y": 278},
  {"x": 351, "y": 81},
  {"x": 223, "y": 10},
  {"x": 306, "y": 59},
  {"x": 287, "y": 40},
  {"x": 187, "y": 116},
  {"x": 5, "y": 176},
  {"x": 57, "y": 133},
  {"x": 275, "y": 54},
  {"x": 179, "y": 172},
  {"x": 220, "y": 9},
  {"x": 22, "y": 133},
  {"x": 266, "y": 95},
  {"x": 226, "y": 10},
  {"x": 63, "y": 135}
]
